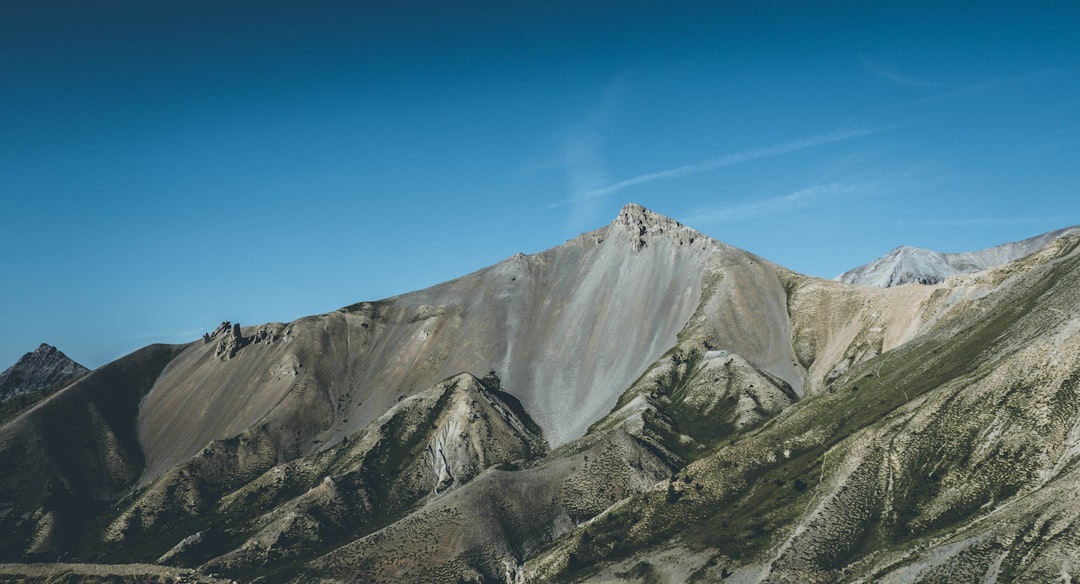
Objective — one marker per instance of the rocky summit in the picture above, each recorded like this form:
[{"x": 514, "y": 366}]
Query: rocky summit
[
  {"x": 641, "y": 404},
  {"x": 45, "y": 367}
]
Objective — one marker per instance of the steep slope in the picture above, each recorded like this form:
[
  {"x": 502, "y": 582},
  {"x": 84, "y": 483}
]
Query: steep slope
[
  {"x": 424, "y": 447},
  {"x": 642, "y": 403},
  {"x": 688, "y": 406},
  {"x": 694, "y": 398},
  {"x": 73, "y": 454},
  {"x": 484, "y": 531},
  {"x": 905, "y": 264},
  {"x": 45, "y": 367},
  {"x": 569, "y": 329},
  {"x": 949, "y": 459}
]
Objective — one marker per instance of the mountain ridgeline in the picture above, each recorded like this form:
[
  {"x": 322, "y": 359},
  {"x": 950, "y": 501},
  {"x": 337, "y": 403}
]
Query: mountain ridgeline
[
  {"x": 906, "y": 264},
  {"x": 641, "y": 404}
]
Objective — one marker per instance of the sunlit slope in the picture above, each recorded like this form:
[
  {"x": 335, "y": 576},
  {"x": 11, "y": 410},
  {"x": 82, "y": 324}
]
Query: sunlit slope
[
  {"x": 569, "y": 329},
  {"x": 949, "y": 459}
]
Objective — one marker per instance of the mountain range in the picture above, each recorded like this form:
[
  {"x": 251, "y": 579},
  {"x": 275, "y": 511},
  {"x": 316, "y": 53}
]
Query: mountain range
[{"x": 641, "y": 404}]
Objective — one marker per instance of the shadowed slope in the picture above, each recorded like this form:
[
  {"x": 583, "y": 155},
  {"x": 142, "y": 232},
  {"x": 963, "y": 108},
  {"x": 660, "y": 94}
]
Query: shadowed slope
[{"x": 61, "y": 461}]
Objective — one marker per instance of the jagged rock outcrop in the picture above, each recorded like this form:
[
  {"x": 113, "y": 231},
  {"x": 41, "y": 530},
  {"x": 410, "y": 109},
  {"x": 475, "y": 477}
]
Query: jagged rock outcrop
[
  {"x": 45, "y": 367},
  {"x": 232, "y": 339},
  {"x": 640, "y": 226}
]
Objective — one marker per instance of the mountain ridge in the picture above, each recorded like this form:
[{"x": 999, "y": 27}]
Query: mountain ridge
[
  {"x": 906, "y": 264},
  {"x": 641, "y": 403},
  {"x": 525, "y": 309}
]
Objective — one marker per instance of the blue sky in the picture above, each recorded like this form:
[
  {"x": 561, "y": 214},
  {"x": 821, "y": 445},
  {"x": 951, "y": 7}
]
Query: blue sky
[{"x": 168, "y": 165}]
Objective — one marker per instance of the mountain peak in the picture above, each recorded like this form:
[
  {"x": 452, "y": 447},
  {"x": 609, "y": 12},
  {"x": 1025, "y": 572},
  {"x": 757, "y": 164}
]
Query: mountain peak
[
  {"x": 641, "y": 224},
  {"x": 903, "y": 265},
  {"x": 633, "y": 214},
  {"x": 44, "y": 367},
  {"x": 44, "y": 349},
  {"x": 907, "y": 264}
]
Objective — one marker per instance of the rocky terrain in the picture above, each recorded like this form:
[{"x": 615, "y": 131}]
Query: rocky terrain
[
  {"x": 43, "y": 368},
  {"x": 641, "y": 404}
]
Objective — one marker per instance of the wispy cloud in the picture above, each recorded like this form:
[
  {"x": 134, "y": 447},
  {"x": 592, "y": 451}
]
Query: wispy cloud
[
  {"x": 957, "y": 91},
  {"x": 895, "y": 77},
  {"x": 740, "y": 157},
  {"x": 581, "y": 156},
  {"x": 801, "y": 199}
]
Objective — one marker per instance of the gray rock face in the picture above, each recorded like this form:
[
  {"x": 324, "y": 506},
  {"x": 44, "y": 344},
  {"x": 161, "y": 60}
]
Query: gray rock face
[
  {"x": 45, "y": 367},
  {"x": 915, "y": 265}
]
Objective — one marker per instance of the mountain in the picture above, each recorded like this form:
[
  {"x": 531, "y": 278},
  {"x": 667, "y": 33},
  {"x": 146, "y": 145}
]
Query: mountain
[
  {"x": 641, "y": 404},
  {"x": 45, "y": 367},
  {"x": 906, "y": 265}
]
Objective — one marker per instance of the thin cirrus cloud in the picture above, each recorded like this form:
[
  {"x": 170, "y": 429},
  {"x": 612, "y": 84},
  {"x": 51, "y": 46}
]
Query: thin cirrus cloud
[
  {"x": 803, "y": 198},
  {"x": 582, "y": 149},
  {"x": 896, "y": 77},
  {"x": 962, "y": 91},
  {"x": 740, "y": 157}
]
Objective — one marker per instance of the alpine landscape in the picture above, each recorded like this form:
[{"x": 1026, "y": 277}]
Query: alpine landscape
[
  {"x": 641, "y": 404},
  {"x": 542, "y": 291}
]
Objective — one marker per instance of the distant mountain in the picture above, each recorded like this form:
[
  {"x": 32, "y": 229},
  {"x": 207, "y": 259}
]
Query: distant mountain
[
  {"x": 45, "y": 367},
  {"x": 641, "y": 404},
  {"x": 907, "y": 265}
]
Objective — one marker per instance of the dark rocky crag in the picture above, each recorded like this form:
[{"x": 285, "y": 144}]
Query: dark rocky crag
[{"x": 45, "y": 367}]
